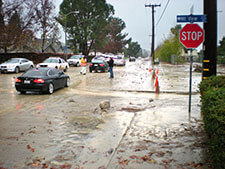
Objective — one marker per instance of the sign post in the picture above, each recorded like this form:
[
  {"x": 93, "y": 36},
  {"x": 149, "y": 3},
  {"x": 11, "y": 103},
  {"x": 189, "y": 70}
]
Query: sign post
[{"x": 191, "y": 36}]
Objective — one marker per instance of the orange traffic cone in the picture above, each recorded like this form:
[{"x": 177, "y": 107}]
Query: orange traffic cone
[
  {"x": 150, "y": 69},
  {"x": 156, "y": 85},
  {"x": 157, "y": 71}
]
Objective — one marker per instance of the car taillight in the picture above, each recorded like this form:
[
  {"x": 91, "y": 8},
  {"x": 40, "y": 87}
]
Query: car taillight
[
  {"x": 90, "y": 64},
  {"x": 39, "y": 81},
  {"x": 18, "y": 80},
  {"x": 101, "y": 65}
]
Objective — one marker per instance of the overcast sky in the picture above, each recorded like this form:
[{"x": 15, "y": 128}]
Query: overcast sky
[{"x": 139, "y": 23}]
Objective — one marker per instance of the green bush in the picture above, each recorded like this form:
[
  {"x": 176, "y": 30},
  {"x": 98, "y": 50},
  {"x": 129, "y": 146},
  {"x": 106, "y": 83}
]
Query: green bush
[
  {"x": 212, "y": 82},
  {"x": 213, "y": 107}
]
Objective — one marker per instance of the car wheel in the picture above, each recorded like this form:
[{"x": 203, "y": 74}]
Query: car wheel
[
  {"x": 50, "y": 88},
  {"x": 23, "y": 92},
  {"x": 65, "y": 70},
  {"x": 67, "y": 82},
  {"x": 31, "y": 67},
  {"x": 90, "y": 70},
  {"x": 56, "y": 67},
  {"x": 17, "y": 70}
]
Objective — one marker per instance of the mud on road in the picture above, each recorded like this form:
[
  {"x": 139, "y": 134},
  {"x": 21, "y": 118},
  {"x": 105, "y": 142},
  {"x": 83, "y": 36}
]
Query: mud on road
[{"x": 68, "y": 129}]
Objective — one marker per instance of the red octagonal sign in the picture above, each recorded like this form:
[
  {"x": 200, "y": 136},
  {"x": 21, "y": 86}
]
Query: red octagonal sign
[{"x": 191, "y": 35}]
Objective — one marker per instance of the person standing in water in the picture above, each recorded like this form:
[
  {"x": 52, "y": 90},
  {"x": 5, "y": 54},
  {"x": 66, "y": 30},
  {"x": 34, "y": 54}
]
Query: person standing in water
[
  {"x": 111, "y": 62},
  {"x": 83, "y": 66}
]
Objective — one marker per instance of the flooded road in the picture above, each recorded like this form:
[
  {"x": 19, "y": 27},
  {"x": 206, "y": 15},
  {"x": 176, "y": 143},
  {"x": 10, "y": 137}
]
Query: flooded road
[{"x": 68, "y": 129}]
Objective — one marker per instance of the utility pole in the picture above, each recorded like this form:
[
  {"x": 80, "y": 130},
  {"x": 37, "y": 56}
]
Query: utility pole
[
  {"x": 153, "y": 31},
  {"x": 210, "y": 44}
]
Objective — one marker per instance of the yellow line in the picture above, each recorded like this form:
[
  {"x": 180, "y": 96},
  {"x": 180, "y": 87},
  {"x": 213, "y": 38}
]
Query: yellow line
[
  {"x": 206, "y": 70},
  {"x": 206, "y": 60}
]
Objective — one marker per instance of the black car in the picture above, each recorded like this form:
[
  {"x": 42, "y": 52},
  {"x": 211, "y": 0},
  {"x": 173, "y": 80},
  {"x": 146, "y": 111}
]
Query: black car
[
  {"x": 98, "y": 65},
  {"x": 132, "y": 59},
  {"x": 42, "y": 80}
]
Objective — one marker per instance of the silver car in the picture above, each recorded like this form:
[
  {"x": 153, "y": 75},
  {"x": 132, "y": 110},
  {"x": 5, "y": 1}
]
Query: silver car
[
  {"x": 119, "y": 61},
  {"x": 75, "y": 60},
  {"x": 16, "y": 65}
]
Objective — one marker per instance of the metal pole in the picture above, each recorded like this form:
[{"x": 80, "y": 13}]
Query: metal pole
[
  {"x": 65, "y": 36},
  {"x": 190, "y": 84},
  {"x": 72, "y": 12},
  {"x": 65, "y": 29}
]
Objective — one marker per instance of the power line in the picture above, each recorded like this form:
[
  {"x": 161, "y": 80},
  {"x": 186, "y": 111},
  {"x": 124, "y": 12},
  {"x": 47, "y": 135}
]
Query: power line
[{"x": 163, "y": 12}]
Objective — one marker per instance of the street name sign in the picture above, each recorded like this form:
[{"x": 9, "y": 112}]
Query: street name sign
[
  {"x": 191, "y": 18},
  {"x": 191, "y": 36}
]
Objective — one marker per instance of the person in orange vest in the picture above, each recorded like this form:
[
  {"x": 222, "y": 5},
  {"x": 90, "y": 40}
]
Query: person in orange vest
[{"x": 83, "y": 66}]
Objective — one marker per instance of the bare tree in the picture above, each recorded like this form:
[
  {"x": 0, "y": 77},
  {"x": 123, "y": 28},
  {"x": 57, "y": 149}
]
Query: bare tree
[
  {"x": 17, "y": 23},
  {"x": 46, "y": 20}
]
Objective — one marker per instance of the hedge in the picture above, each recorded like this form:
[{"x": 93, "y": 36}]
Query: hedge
[
  {"x": 213, "y": 106},
  {"x": 35, "y": 57}
]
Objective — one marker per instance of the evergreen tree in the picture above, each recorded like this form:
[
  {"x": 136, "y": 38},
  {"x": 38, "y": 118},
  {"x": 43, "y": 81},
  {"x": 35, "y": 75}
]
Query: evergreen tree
[
  {"x": 114, "y": 40},
  {"x": 84, "y": 21}
]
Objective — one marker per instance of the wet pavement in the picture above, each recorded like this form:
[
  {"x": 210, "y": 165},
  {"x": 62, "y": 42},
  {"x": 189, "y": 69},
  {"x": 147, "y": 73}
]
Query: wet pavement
[{"x": 141, "y": 129}]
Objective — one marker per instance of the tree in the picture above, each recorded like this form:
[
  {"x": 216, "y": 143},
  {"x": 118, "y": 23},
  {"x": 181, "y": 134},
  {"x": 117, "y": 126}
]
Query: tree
[
  {"x": 145, "y": 53},
  {"x": 221, "y": 47},
  {"x": 170, "y": 46},
  {"x": 46, "y": 20},
  {"x": 114, "y": 38},
  {"x": 221, "y": 51},
  {"x": 17, "y": 23},
  {"x": 84, "y": 21},
  {"x": 133, "y": 49}
]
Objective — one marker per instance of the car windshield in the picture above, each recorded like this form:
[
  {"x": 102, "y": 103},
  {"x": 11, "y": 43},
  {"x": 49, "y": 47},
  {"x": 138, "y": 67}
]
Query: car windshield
[
  {"x": 98, "y": 58},
  {"x": 97, "y": 61},
  {"x": 119, "y": 57},
  {"x": 51, "y": 60},
  {"x": 36, "y": 72},
  {"x": 75, "y": 57},
  {"x": 13, "y": 60}
]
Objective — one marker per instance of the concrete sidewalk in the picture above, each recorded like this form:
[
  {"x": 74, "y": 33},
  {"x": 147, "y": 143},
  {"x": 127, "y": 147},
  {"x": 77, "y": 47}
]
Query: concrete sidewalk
[{"x": 165, "y": 135}]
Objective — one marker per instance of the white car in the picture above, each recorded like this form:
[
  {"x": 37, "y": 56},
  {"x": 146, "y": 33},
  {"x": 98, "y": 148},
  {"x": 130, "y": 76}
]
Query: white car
[
  {"x": 119, "y": 61},
  {"x": 55, "y": 62},
  {"x": 16, "y": 65},
  {"x": 75, "y": 60}
]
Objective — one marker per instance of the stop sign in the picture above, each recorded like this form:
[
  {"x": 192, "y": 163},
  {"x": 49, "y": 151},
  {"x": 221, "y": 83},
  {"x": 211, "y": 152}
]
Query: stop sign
[{"x": 191, "y": 35}]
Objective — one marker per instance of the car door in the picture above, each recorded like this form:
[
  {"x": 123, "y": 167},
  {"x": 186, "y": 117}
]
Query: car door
[
  {"x": 63, "y": 64},
  {"x": 24, "y": 64},
  {"x": 55, "y": 78}
]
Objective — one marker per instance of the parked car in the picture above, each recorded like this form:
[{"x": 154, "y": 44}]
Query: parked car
[
  {"x": 16, "y": 65},
  {"x": 98, "y": 65},
  {"x": 42, "y": 79},
  {"x": 55, "y": 62},
  {"x": 75, "y": 60},
  {"x": 132, "y": 59},
  {"x": 99, "y": 57},
  {"x": 119, "y": 61}
]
